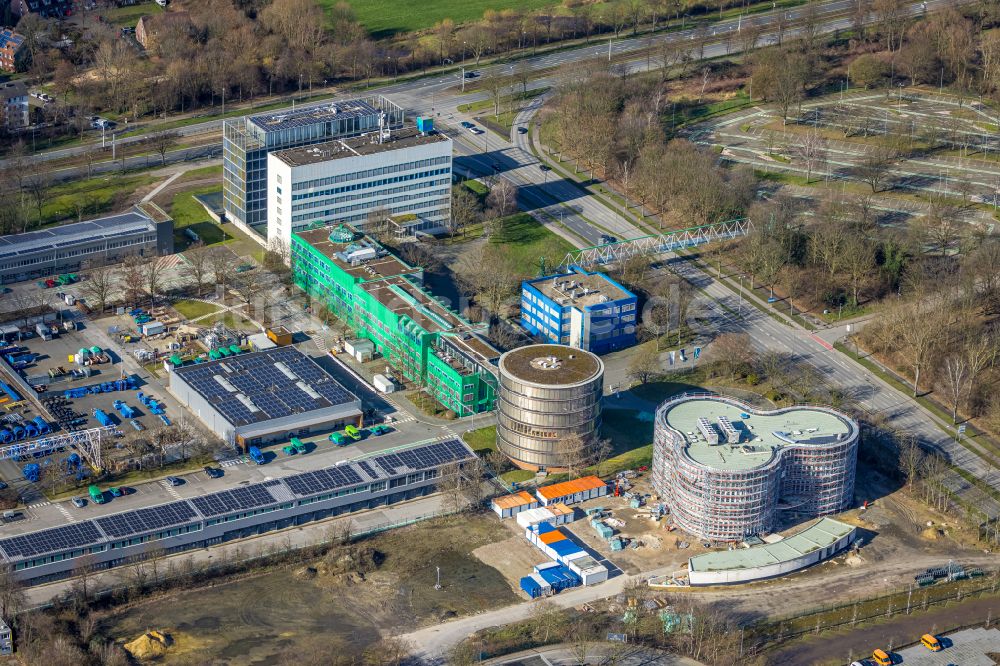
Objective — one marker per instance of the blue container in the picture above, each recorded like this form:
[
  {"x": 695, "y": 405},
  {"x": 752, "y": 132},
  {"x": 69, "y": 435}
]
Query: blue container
[
  {"x": 43, "y": 427},
  {"x": 565, "y": 548}
]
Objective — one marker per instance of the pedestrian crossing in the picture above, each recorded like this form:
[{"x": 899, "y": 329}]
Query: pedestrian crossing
[
  {"x": 36, "y": 505},
  {"x": 170, "y": 489},
  {"x": 232, "y": 462},
  {"x": 64, "y": 511}
]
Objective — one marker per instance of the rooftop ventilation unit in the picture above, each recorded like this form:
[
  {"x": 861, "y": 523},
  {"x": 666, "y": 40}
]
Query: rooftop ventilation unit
[
  {"x": 708, "y": 430},
  {"x": 729, "y": 430}
]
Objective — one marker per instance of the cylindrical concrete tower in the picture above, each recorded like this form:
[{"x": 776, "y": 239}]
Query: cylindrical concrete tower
[{"x": 547, "y": 394}]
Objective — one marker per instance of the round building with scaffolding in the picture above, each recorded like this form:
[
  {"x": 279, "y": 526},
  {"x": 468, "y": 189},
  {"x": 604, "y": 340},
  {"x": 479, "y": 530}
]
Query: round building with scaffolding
[
  {"x": 728, "y": 471},
  {"x": 549, "y": 406}
]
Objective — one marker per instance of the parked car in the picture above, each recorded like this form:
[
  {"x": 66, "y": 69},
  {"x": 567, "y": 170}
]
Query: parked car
[
  {"x": 378, "y": 430},
  {"x": 353, "y": 432},
  {"x": 174, "y": 481},
  {"x": 79, "y": 502},
  {"x": 115, "y": 492},
  {"x": 213, "y": 472},
  {"x": 340, "y": 439}
]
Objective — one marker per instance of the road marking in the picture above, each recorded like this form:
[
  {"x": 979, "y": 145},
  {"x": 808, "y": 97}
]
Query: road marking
[
  {"x": 821, "y": 341},
  {"x": 171, "y": 489},
  {"x": 232, "y": 462},
  {"x": 65, "y": 512},
  {"x": 38, "y": 504}
]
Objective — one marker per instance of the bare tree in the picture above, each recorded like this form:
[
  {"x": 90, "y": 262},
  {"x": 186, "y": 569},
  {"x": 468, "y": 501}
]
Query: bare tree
[
  {"x": 874, "y": 167},
  {"x": 910, "y": 457},
  {"x": 162, "y": 142},
  {"x": 198, "y": 266},
  {"x": 812, "y": 151},
  {"x": 574, "y": 454},
  {"x": 963, "y": 368},
  {"x": 12, "y": 596},
  {"x": 152, "y": 278},
  {"x": 645, "y": 365},
  {"x": 99, "y": 286},
  {"x": 131, "y": 279},
  {"x": 485, "y": 272},
  {"x": 502, "y": 198},
  {"x": 465, "y": 209}
]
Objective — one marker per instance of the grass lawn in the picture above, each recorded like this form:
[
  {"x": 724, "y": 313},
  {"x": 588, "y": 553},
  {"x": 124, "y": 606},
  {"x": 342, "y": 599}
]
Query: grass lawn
[
  {"x": 482, "y": 440},
  {"x": 525, "y": 242},
  {"x": 203, "y": 172},
  {"x": 189, "y": 213},
  {"x": 384, "y": 18},
  {"x": 194, "y": 309},
  {"x": 90, "y": 196},
  {"x": 127, "y": 16},
  {"x": 518, "y": 476}
]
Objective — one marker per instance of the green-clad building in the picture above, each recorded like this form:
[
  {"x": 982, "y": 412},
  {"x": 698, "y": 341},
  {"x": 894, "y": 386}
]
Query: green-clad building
[{"x": 381, "y": 298}]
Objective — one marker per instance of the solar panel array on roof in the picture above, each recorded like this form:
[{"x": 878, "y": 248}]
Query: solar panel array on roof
[
  {"x": 69, "y": 537},
  {"x": 233, "y": 501},
  {"x": 10, "y": 39},
  {"x": 264, "y": 390},
  {"x": 424, "y": 457},
  {"x": 70, "y": 234},
  {"x": 145, "y": 520},
  {"x": 273, "y": 122}
]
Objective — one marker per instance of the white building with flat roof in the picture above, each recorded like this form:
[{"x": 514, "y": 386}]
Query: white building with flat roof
[{"x": 406, "y": 173}]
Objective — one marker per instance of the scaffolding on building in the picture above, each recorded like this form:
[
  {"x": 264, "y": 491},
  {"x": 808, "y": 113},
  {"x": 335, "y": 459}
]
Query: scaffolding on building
[{"x": 619, "y": 251}]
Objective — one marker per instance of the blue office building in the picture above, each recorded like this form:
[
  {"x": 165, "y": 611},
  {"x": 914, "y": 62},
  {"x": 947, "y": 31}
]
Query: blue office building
[{"x": 580, "y": 309}]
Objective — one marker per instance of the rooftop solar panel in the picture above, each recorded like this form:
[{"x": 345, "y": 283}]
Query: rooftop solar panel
[
  {"x": 53, "y": 540},
  {"x": 149, "y": 519},
  {"x": 272, "y": 392},
  {"x": 235, "y": 500}
]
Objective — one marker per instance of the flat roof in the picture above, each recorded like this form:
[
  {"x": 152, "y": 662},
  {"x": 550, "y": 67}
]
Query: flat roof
[
  {"x": 384, "y": 265},
  {"x": 67, "y": 235},
  {"x": 112, "y": 527},
  {"x": 407, "y": 299},
  {"x": 534, "y": 363},
  {"x": 517, "y": 499},
  {"x": 260, "y": 386},
  {"x": 358, "y": 146},
  {"x": 762, "y": 433},
  {"x": 282, "y": 120},
  {"x": 825, "y": 532},
  {"x": 570, "y": 487},
  {"x": 581, "y": 289}
]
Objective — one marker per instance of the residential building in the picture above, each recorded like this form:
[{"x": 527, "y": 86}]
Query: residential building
[
  {"x": 44, "y": 8},
  {"x": 13, "y": 52},
  {"x": 247, "y": 141},
  {"x": 588, "y": 311},
  {"x": 14, "y": 100},
  {"x": 404, "y": 175},
  {"x": 145, "y": 231},
  {"x": 381, "y": 298},
  {"x": 162, "y": 25},
  {"x": 728, "y": 471}
]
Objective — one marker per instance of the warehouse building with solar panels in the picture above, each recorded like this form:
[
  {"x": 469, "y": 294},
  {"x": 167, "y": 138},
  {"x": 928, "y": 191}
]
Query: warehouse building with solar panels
[
  {"x": 265, "y": 397},
  {"x": 114, "y": 540},
  {"x": 144, "y": 231}
]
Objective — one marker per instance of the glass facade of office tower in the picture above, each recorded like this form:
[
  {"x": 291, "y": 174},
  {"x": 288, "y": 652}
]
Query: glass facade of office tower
[{"x": 247, "y": 141}]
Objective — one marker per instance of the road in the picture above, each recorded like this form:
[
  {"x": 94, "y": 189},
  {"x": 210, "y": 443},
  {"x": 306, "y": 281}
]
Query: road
[{"x": 434, "y": 86}]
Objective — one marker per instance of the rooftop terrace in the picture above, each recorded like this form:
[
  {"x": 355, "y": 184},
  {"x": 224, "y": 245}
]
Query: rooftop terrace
[{"x": 761, "y": 434}]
